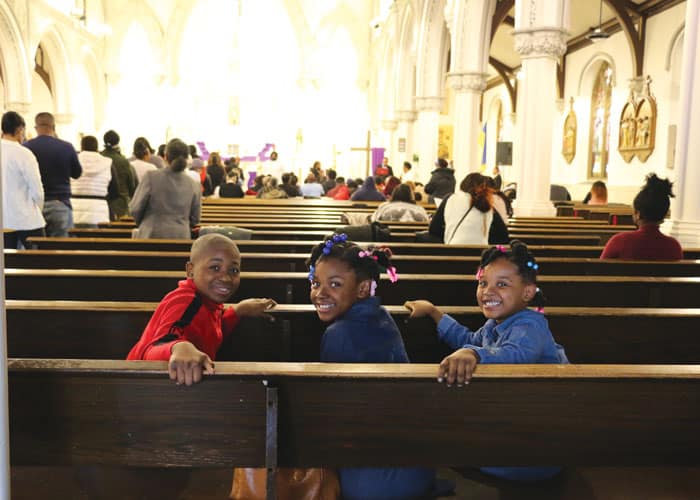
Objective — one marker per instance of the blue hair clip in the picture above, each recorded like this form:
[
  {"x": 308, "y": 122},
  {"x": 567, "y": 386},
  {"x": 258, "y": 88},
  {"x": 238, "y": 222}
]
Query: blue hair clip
[
  {"x": 312, "y": 270},
  {"x": 532, "y": 265},
  {"x": 337, "y": 238}
]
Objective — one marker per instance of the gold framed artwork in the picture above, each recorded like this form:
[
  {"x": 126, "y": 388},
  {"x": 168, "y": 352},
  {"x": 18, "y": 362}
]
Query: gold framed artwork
[
  {"x": 445, "y": 141},
  {"x": 568, "y": 146},
  {"x": 637, "y": 136}
]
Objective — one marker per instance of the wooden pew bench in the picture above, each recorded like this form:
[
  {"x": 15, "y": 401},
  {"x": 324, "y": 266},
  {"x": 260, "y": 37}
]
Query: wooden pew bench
[
  {"x": 408, "y": 236},
  {"x": 293, "y": 288},
  {"x": 108, "y": 330},
  {"x": 250, "y": 246},
  {"x": 106, "y": 413},
  {"x": 280, "y": 262}
]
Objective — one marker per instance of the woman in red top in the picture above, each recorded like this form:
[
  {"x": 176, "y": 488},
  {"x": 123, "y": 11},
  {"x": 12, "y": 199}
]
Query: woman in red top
[{"x": 647, "y": 243}]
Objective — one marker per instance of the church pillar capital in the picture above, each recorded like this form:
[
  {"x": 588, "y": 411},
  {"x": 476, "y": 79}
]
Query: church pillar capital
[
  {"x": 540, "y": 42},
  {"x": 429, "y": 103},
  {"x": 467, "y": 81},
  {"x": 113, "y": 77},
  {"x": 390, "y": 124},
  {"x": 637, "y": 84},
  {"x": 405, "y": 115},
  {"x": 64, "y": 118},
  {"x": 18, "y": 106}
]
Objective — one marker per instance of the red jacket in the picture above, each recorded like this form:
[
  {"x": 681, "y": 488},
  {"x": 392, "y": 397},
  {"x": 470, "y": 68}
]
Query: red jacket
[
  {"x": 340, "y": 192},
  {"x": 208, "y": 327}
]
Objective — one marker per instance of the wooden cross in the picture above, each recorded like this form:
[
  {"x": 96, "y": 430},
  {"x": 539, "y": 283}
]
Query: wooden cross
[{"x": 367, "y": 150}]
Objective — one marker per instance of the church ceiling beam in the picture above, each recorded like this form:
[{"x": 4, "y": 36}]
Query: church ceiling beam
[
  {"x": 506, "y": 73},
  {"x": 635, "y": 36},
  {"x": 501, "y": 13}
]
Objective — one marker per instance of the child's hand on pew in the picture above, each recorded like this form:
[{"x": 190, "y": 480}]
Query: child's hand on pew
[
  {"x": 458, "y": 367},
  {"x": 420, "y": 308},
  {"x": 255, "y": 308},
  {"x": 187, "y": 363}
]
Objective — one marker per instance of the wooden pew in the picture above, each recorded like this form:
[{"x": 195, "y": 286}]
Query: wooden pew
[
  {"x": 112, "y": 413},
  {"x": 108, "y": 330},
  {"x": 280, "y": 262},
  {"x": 530, "y": 239},
  {"x": 293, "y": 288},
  {"x": 249, "y": 246}
]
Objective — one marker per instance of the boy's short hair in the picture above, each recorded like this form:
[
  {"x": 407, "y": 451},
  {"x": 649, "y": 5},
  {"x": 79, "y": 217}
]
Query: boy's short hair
[{"x": 207, "y": 240}]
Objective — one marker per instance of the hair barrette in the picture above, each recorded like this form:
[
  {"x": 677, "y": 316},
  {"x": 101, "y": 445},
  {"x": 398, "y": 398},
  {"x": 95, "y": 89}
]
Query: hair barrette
[
  {"x": 372, "y": 288},
  {"x": 479, "y": 273},
  {"x": 533, "y": 265},
  {"x": 501, "y": 248},
  {"x": 312, "y": 270},
  {"x": 391, "y": 271},
  {"x": 540, "y": 309}
]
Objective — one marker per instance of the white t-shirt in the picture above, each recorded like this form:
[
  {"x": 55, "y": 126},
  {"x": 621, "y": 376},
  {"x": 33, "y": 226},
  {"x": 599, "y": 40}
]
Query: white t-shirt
[{"x": 22, "y": 191}]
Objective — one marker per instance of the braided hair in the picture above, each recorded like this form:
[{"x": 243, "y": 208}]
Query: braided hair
[
  {"x": 367, "y": 264},
  {"x": 520, "y": 256}
]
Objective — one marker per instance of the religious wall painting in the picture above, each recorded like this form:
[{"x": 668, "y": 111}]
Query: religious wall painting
[
  {"x": 445, "y": 141},
  {"x": 638, "y": 125},
  {"x": 568, "y": 148}
]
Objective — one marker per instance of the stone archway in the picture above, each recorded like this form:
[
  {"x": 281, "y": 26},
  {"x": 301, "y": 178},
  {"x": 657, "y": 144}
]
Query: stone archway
[
  {"x": 15, "y": 63},
  {"x": 61, "y": 72}
]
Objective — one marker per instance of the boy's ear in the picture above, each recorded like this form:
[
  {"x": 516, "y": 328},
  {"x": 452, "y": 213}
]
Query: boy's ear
[
  {"x": 364, "y": 288},
  {"x": 188, "y": 269}
]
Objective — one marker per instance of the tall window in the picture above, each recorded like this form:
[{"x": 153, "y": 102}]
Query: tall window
[{"x": 600, "y": 123}]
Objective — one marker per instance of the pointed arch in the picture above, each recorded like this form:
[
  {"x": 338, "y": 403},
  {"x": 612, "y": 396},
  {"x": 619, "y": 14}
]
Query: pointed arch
[
  {"x": 61, "y": 68},
  {"x": 406, "y": 61},
  {"x": 433, "y": 47},
  {"x": 593, "y": 63},
  {"x": 676, "y": 41},
  {"x": 14, "y": 59}
]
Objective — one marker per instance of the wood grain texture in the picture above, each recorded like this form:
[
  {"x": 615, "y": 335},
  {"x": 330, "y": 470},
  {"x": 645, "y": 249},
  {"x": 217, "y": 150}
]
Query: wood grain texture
[
  {"x": 80, "y": 412},
  {"x": 96, "y": 330}
]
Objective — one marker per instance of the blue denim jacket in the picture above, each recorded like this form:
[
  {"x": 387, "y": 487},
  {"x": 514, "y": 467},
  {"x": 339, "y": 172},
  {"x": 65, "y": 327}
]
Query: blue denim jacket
[
  {"x": 523, "y": 337},
  {"x": 368, "y": 334}
]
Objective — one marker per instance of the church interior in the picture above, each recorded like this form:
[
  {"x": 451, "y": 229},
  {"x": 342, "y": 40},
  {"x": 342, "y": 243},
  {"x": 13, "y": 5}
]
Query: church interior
[{"x": 548, "y": 93}]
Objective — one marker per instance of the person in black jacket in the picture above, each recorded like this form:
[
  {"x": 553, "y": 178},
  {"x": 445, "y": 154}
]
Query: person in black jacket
[{"x": 442, "y": 182}]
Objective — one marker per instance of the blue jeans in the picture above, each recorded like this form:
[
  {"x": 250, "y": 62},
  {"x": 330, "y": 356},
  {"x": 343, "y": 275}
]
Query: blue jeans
[{"x": 59, "y": 218}]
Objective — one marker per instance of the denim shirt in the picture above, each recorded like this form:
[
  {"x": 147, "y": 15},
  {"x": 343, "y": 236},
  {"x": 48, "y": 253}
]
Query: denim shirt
[
  {"x": 365, "y": 334},
  {"x": 368, "y": 334},
  {"x": 523, "y": 337}
]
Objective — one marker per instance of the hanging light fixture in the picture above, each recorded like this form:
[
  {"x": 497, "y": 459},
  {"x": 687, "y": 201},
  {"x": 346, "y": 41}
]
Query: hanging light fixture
[{"x": 598, "y": 34}]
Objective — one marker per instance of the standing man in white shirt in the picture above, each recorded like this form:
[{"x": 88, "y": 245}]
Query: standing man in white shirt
[{"x": 23, "y": 193}]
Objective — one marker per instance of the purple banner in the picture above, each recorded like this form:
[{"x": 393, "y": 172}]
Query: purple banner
[{"x": 377, "y": 157}]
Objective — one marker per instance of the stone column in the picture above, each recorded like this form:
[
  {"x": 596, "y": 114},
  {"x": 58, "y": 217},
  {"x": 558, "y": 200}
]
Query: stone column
[
  {"x": 466, "y": 152},
  {"x": 540, "y": 50},
  {"x": 66, "y": 128},
  {"x": 22, "y": 108},
  {"x": 406, "y": 119},
  {"x": 685, "y": 208},
  {"x": 427, "y": 135},
  {"x": 388, "y": 137}
]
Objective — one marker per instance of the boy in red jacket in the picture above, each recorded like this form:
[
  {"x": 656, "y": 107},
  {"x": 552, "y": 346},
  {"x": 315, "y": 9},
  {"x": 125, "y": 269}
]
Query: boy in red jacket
[{"x": 191, "y": 322}]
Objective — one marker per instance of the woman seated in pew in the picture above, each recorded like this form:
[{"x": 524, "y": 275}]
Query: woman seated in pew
[
  {"x": 647, "y": 242},
  {"x": 343, "y": 279},
  {"x": 189, "y": 325},
  {"x": 402, "y": 207},
  {"x": 167, "y": 201},
  {"x": 513, "y": 333},
  {"x": 598, "y": 195},
  {"x": 467, "y": 217}
]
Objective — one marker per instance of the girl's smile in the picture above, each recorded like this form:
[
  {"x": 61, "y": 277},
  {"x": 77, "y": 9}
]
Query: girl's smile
[
  {"x": 501, "y": 291},
  {"x": 335, "y": 288}
]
